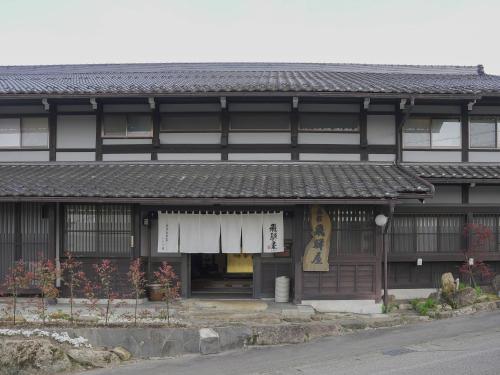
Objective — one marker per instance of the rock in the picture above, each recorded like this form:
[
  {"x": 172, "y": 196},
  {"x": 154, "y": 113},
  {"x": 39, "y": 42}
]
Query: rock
[
  {"x": 209, "y": 341},
  {"x": 405, "y": 307},
  {"x": 465, "y": 297},
  {"x": 92, "y": 358},
  {"x": 447, "y": 284},
  {"x": 435, "y": 295},
  {"x": 495, "y": 283},
  {"x": 447, "y": 307},
  {"x": 122, "y": 353},
  {"x": 20, "y": 356},
  {"x": 482, "y": 298},
  {"x": 444, "y": 314}
]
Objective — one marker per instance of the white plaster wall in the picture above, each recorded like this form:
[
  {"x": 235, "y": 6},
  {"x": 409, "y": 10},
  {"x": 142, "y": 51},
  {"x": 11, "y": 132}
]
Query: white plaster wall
[
  {"x": 381, "y": 129},
  {"x": 75, "y": 156},
  {"x": 479, "y": 157},
  {"x": 127, "y": 141},
  {"x": 485, "y": 110},
  {"x": 432, "y": 156},
  {"x": 126, "y": 108},
  {"x": 260, "y": 138},
  {"x": 381, "y": 157},
  {"x": 484, "y": 194},
  {"x": 189, "y": 156},
  {"x": 446, "y": 194},
  {"x": 24, "y": 156},
  {"x": 259, "y": 156},
  {"x": 329, "y": 138},
  {"x": 319, "y": 107},
  {"x": 126, "y": 157},
  {"x": 21, "y": 109},
  {"x": 190, "y": 138},
  {"x": 331, "y": 157},
  {"x": 443, "y": 109},
  {"x": 76, "y": 131}
]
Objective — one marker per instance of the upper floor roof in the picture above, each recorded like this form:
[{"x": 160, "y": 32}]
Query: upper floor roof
[{"x": 266, "y": 78}]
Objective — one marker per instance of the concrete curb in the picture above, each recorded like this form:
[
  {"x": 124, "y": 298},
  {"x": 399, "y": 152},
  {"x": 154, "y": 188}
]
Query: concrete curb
[{"x": 144, "y": 342}]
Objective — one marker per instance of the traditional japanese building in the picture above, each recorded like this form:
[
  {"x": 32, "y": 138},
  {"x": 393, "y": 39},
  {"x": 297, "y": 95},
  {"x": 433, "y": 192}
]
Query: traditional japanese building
[{"x": 237, "y": 173}]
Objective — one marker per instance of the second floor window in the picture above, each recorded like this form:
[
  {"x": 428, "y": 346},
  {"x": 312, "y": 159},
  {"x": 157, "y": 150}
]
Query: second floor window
[
  {"x": 431, "y": 133},
  {"x": 190, "y": 122},
  {"x": 127, "y": 126},
  {"x": 484, "y": 132},
  {"x": 24, "y": 132}
]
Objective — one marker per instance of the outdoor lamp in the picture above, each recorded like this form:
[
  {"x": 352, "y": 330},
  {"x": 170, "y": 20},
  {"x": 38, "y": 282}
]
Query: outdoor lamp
[{"x": 381, "y": 220}]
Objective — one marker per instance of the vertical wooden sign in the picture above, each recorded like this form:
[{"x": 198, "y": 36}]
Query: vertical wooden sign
[{"x": 318, "y": 249}]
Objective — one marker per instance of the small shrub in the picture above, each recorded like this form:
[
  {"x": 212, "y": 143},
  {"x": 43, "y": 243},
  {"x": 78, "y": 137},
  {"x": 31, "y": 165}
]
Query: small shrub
[
  {"x": 105, "y": 272},
  {"x": 59, "y": 315},
  {"x": 169, "y": 285},
  {"x": 73, "y": 277},
  {"x": 424, "y": 306},
  {"x": 137, "y": 278},
  {"x": 45, "y": 279},
  {"x": 478, "y": 290},
  {"x": 17, "y": 279}
]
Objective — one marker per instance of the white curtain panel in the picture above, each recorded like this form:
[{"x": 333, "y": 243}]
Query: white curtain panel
[
  {"x": 230, "y": 233},
  {"x": 209, "y": 233},
  {"x": 189, "y": 233},
  {"x": 168, "y": 233},
  {"x": 273, "y": 233},
  {"x": 251, "y": 225}
]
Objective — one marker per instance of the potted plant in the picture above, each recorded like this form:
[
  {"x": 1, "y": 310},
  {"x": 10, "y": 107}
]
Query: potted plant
[{"x": 155, "y": 292}]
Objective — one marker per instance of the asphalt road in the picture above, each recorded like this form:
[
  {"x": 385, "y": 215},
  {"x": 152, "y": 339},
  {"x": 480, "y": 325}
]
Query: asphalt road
[{"x": 464, "y": 345}]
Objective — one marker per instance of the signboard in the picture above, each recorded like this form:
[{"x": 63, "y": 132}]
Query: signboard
[{"x": 318, "y": 248}]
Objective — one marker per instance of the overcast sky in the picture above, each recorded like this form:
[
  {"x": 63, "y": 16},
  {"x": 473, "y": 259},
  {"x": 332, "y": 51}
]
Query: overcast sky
[{"x": 456, "y": 32}]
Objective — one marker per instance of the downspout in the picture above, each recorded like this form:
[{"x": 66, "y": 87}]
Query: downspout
[
  {"x": 386, "y": 263},
  {"x": 400, "y": 125}
]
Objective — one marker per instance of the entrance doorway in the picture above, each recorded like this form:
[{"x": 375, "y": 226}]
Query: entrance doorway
[{"x": 222, "y": 275}]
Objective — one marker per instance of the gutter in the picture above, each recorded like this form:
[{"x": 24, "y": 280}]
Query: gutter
[{"x": 221, "y": 201}]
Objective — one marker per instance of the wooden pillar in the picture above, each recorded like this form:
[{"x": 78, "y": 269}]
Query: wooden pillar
[
  {"x": 156, "y": 131},
  {"x": 186, "y": 276},
  {"x": 363, "y": 132},
  {"x": 52, "y": 131},
  {"x": 294, "y": 131},
  {"x": 399, "y": 134},
  {"x": 298, "y": 252},
  {"x": 257, "y": 276},
  {"x": 98, "y": 132},
  {"x": 224, "y": 140},
  {"x": 465, "y": 132}
]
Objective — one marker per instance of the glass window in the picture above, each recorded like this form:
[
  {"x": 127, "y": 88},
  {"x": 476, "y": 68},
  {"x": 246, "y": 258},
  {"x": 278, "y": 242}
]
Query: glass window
[
  {"x": 122, "y": 126},
  {"x": 416, "y": 133},
  {"x": 259, "y": 121},
  {"x": 445, "y": 133},
  {"x": 432, "y": 133},
  {"x": 190, "y": 123},
  {"x": 35, "y": 132},
  {"x": 10, "y": 132},
  {"x": 483, "y": 133},
  {"x": 336, "y": 122}
]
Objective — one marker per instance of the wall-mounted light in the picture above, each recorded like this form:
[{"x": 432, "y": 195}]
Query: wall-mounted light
[
  {"x": 295, "y": 102},
  {"x": 402, "y": 103},
  {"x": 381, "y": 220},
  {"x": 471, "y": 261},
  {"x": 420, "y": 261},
  {"x": 470, "y": 105}
]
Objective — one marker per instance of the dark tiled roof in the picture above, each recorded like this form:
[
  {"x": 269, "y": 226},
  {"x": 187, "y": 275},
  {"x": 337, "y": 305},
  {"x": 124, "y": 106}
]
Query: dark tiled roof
[
  {"x": 208, "y": 180},
  {"x": 198, "y": 78},
  {"x": 456, "y": 171}
]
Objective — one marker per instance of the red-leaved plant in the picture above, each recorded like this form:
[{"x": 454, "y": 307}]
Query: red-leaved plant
[
  {"x": 105, "y": 272},
  {"x": 17, "y": 279},
  {"x": 169, "y": 285},
  {"x": 73, "y": 277},
  {"x": 45, "y": 280},
  {"x": 137, "y": 279},
  {"x": 478, "y": 237}
]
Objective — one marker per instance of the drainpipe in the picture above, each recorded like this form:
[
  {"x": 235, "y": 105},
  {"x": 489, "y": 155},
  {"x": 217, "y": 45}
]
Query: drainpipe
[{"x": 386, "y": 264}]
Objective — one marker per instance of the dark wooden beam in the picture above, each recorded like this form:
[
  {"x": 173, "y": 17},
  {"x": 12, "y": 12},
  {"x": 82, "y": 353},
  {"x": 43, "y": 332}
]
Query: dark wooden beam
[
  {"x": 52, "y": 131},
  {"x": 98, "y": 131},
  {"x": 156, "y": 131},
  {"x": 465, "y": 132},
  {"x": 224, "y": 139},
  {"x": 298, "y": 252},
  {"x": 363, "y": 132}
]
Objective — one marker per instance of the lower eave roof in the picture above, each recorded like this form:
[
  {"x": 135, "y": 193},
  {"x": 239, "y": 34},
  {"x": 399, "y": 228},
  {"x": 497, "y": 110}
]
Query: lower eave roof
[
  {"x": 454, "y": 172},
  {"x": 209, "y": 181}
]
